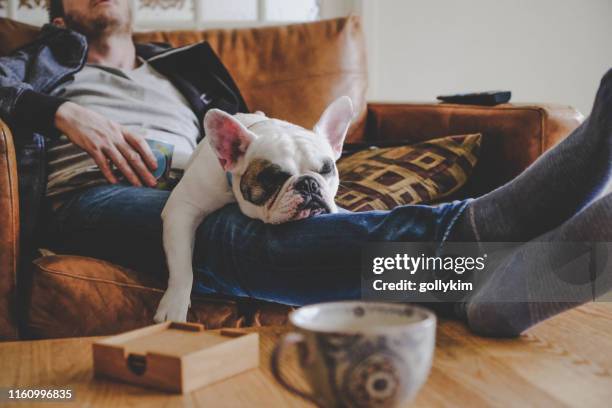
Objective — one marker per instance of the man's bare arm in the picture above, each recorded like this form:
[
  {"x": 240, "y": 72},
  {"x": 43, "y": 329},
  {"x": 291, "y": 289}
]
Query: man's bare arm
[{"x": 105, "y": 140}]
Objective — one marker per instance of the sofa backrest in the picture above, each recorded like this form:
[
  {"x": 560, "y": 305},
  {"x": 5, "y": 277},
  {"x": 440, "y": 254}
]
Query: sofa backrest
[{"x": 289, "y": 72}]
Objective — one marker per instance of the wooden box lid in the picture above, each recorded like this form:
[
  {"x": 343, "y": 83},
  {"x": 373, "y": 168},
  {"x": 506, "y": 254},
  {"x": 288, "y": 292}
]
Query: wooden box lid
[{"x": 176, "y": 357}]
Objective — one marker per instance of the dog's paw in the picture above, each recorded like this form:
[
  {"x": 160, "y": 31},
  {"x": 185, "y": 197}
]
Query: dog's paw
[{"x": 173, "y": 306}]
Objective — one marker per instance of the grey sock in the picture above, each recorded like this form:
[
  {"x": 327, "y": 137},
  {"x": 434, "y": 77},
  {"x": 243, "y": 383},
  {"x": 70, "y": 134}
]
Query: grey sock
[
  {"x": 566, "y": 267},
  {"x": 524, "y": 288},
  {"x": 555, "y": 187}
]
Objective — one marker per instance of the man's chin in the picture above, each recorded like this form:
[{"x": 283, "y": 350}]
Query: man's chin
[
  {"x": 109, "y": 16},
  {"x": 106, "y": 18}
]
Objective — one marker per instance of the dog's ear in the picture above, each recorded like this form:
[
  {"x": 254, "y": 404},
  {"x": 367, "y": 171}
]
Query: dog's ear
[
  {"x": 335, "y": 122},
  {"x": 229, "y": 139}
]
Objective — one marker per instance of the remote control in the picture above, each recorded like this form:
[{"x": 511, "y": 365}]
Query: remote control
[{"x": 490, "y": 98}]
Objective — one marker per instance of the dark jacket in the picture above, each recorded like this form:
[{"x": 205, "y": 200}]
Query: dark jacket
[{"x": 30, "y": 74}]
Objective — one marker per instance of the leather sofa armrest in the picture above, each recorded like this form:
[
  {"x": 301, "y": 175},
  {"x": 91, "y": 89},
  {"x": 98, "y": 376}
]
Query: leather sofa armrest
[
  {"x": 9, "y": 235},
  {"x": 422, "y": 121},
  {"x": 514, "y": 135}
]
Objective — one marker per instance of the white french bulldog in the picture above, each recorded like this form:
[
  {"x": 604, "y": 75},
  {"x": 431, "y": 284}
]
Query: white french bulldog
[{"x": 276, "y": 171}]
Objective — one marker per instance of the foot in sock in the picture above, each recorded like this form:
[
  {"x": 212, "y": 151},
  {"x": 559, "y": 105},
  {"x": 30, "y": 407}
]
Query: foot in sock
[
  {"x": 546, "y": 277},
  {"x": 554, "y": 188}
]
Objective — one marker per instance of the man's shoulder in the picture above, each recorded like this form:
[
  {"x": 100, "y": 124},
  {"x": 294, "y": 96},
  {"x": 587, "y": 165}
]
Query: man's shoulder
[
  {"x": 159, "y": 50},
  {"x": 186, "y": 55},
  {"x": 151, "y": 49}
]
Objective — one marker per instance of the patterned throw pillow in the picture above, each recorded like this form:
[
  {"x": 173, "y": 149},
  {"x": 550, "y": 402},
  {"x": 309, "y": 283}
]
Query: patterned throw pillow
[{"x": 383, "y": 178}]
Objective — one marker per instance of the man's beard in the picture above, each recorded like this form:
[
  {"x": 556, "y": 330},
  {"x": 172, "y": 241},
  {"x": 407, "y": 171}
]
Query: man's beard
[{"x": 99, "y": 26}]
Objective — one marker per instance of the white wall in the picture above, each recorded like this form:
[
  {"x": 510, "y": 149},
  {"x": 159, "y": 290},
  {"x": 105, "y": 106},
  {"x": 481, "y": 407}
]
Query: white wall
[{"x": 542, "y": 50}]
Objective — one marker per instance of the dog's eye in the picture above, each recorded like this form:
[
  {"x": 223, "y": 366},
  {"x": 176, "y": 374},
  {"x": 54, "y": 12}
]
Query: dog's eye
[
  {"x": 328, "y": 168},
  {"x": 273, "y": 176}
]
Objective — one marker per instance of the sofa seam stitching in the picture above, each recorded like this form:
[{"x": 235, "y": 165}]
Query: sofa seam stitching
[
  {"x": 13, "y": 227},
  {"x": 119, "y": 284},
  {"x": 99, "y": 280},
  {"x": 93, "y": 260}
]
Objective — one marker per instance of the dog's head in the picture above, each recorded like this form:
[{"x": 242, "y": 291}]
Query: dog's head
[{"x": 281, "y": 172}]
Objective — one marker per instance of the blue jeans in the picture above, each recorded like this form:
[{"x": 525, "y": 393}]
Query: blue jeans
[{"x": 297, "y": 263}]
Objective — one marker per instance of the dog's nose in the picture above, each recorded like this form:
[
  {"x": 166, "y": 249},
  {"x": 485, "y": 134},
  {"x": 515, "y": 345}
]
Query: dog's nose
[{"x": 307, "y": 184}]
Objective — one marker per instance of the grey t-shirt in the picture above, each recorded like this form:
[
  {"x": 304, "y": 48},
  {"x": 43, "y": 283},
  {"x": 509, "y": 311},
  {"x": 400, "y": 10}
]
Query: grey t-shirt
[{"x": 142, "y": 100}]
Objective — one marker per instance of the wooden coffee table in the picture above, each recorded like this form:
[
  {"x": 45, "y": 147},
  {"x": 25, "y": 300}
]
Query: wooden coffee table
[{"x": 564, "y": 362}]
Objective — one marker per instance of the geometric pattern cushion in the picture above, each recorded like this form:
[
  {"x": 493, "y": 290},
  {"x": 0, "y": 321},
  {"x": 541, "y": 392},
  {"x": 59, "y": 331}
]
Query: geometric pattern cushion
[{"x": 383, "y": 178}]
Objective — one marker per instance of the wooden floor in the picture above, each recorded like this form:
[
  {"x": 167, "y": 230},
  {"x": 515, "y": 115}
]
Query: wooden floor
[{"x": 566, "y": 361}]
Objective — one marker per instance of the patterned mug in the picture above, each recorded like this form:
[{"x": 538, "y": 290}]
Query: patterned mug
[{"x": 360, "y": 354}]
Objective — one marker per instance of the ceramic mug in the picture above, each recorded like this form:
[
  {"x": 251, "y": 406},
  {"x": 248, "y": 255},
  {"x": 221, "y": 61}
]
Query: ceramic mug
[{"x": 360, "y": 354}]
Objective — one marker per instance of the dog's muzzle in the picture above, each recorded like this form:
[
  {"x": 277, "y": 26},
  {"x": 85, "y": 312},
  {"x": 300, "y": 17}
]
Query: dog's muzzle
[{"x": 310, "y": 190}]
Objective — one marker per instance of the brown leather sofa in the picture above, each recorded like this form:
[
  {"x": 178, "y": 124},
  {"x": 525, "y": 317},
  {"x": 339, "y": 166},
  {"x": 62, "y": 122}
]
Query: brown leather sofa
[{"x": 289, "y": 72}]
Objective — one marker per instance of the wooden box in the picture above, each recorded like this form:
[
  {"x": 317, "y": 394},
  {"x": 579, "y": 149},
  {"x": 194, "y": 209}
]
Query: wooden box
[{"x": 176, "y": 357}]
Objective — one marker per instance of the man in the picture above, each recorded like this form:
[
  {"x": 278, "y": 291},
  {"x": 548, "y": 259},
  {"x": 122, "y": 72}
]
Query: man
[
  {"x": 32, "y": 79},
  {"x": 84, "y": 84}
]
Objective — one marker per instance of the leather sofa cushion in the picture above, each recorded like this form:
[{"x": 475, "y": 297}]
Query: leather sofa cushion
[
  {"x": 77, "y": 296},
  {"x": 289, "y": 72}
]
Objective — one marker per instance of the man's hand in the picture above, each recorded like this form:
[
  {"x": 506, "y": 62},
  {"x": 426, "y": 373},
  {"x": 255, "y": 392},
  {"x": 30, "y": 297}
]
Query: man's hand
[{"x": 105, "y": 140}]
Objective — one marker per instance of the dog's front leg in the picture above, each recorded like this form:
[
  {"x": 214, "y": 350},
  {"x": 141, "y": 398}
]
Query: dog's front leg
[
  {"x": 202, "y": 190},
  {"x": 180, "y": 221}
]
